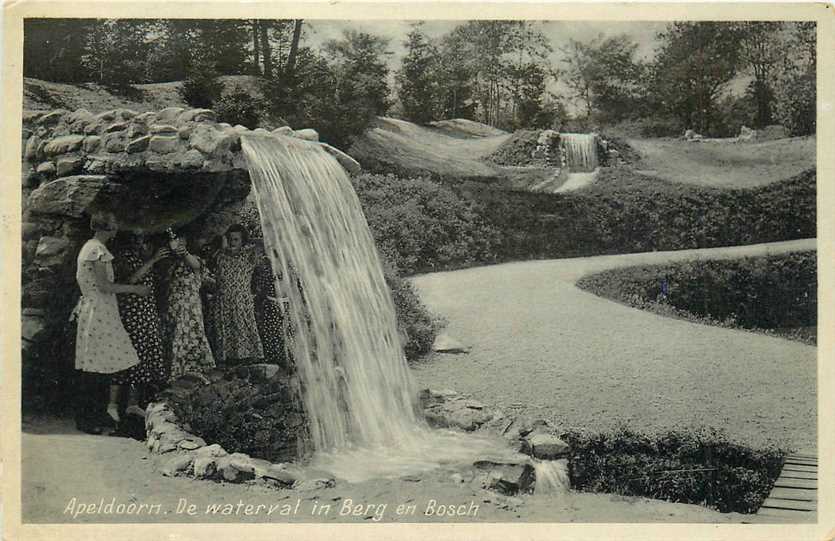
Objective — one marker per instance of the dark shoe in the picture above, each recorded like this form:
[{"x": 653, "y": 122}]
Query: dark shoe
[
  {"x": 88, "y": 427},
  {"x": 105, "y": 421}
]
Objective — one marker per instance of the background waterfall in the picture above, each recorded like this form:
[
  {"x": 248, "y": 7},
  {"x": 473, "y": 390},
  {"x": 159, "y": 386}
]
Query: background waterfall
[
  {"x": 580, "y": 151},
  {"x": 356, "y": 386}
]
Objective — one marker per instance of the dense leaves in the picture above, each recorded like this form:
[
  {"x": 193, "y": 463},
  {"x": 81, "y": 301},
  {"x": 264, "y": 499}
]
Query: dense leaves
[
  {"x": 775, "y": 293},
  {"x": 421, "y": 225},
  {"x": 624, "y": 212},
  {"x": 502, "y": 73},
  {"x": 701, "y": 467}
]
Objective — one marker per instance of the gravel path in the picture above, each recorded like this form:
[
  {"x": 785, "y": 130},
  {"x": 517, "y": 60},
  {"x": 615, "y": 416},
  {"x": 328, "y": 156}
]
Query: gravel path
[{"x": 543, "y": 346}]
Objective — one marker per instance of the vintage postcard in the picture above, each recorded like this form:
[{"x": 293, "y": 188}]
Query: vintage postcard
[{"x": 417, "y": 270}]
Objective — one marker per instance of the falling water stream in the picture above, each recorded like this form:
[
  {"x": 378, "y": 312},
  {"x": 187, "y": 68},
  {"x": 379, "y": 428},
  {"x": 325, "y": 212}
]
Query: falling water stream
[
  {"x": 580, "y": 151},
  {"x": 358, "y": 393}
]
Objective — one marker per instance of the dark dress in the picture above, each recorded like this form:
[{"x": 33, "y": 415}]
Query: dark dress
[
  {"x": 237, "y": 332},
  {"x": 268, "y": 314},
  {"x": 140, "y": 318}
]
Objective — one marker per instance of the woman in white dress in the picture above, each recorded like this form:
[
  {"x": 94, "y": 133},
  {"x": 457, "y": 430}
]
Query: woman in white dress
[{"x": 102, "y": 344}]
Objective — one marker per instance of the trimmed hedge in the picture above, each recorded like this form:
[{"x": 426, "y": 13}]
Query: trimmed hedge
[
  {"x": 701, "y": 467},
  {"x": 624, "y": 212},
  {"x": 775, "y": 294}
]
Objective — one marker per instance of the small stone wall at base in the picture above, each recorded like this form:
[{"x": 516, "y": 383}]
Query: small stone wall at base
[{"x": 185, "y": 454}]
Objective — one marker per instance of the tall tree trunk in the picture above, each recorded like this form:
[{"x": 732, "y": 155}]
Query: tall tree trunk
[
  {"x": 294, "y": 45},
  {"x": 256, "y": 62},
  {"x": 265, "y": 48}
]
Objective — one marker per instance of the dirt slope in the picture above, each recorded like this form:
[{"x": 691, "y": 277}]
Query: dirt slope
[{"x": 41, "y": 95}]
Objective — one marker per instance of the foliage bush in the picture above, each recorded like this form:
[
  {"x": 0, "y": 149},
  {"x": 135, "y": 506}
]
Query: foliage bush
[
  {"x": 240, "y": 107},
  {"x": 776, "y": 293},
  {"x": 243, "y": 413},
  {"x": 421, "y": 225},
  {"x": 624, "y": 212},
  {"x": 701, "y": 467},
  {"x": 517, "y": 150},
  {"x": 416, "y": 325},
  {"x": 201, "y": 89}
]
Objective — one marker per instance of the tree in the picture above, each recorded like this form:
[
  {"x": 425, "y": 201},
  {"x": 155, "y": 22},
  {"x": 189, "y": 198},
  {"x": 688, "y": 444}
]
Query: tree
[
  {"x": 454, "y": 78},
  {"x": 52, "y": 48},
  {"x": 491, "y": 61},
  {"x": 361, "y": 90},
  {"x": 695, "y": 63},
  {"x": 761, "y": 50},
  {"x": 417, "y": 77},
  {"x": 290, "y": 66},
  {"x": 796, "y": 80},
  {"x": 172, "y": 56},
  {"x": 116, "y": 51},
  {"x": 225, "y": 44},
  {"x": 603, "y": 75}
]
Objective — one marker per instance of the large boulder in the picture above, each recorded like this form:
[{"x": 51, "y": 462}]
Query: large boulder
[
  {"x": 69, "y": 196},
  {"x": 547, "y": 446},
  {"x": 508, "y": 475}
]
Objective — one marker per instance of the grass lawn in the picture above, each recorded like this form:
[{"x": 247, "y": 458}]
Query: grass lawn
[{"x": 725, "y": 165}]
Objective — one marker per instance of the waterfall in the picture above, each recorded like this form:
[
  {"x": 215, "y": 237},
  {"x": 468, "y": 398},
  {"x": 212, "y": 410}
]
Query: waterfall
[
  {"x": 346, "y": 346},
  {"x": 580, "y": 151},
  {"x": 357, "y": 390},
  {"x": 551, "y": 476}
]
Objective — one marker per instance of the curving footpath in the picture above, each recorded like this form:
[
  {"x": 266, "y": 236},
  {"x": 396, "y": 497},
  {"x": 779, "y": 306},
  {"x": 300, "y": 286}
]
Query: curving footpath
[{"x": 541, "y": 345}]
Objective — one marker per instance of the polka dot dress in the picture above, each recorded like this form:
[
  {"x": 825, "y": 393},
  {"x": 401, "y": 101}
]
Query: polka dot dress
[
  {"x": 141, "y": 321},
  {"x": 267, "y": 314},
  {"x": 102, "y": 344},
  {"x": 237, "y": 332}
]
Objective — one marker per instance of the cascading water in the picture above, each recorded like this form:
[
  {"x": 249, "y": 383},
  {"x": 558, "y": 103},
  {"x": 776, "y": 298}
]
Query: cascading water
[
  {"x": 357, "y": 390},
  {"x": 580, "y": 151},
  {"x": 551, "y": 476}
]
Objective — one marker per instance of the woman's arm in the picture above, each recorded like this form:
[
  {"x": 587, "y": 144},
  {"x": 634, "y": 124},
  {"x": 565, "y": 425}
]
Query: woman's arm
[
  {"x": 191, "y": 260},
  {"x": 105, "y": 285},
  {"x": 148, "y": 265}
]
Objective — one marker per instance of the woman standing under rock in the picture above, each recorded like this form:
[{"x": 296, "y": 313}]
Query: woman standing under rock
[
  {"x": 140, "y": 317},
  {"x": 190, "y": 351},
  {"x": 269, "y": 313},
  {"x": 237, "y": 332},
  {"x": 103, "y": 346}
]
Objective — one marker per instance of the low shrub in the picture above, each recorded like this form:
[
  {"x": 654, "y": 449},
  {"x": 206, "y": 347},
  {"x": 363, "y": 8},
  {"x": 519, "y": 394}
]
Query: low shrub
[
  {"x": 774, "y": 293},
  {"x": 517, "y": 150},
  {"x": 201, "y": 89},
  {"x": 243, "y": 413},
  {"x": 239, "y": 107},
  {"x": 623, "y": 212},
  {"x": 701, "y": 467},
  {"x": 416, "y": 325},
  {"x": 420, "y": 225}
]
